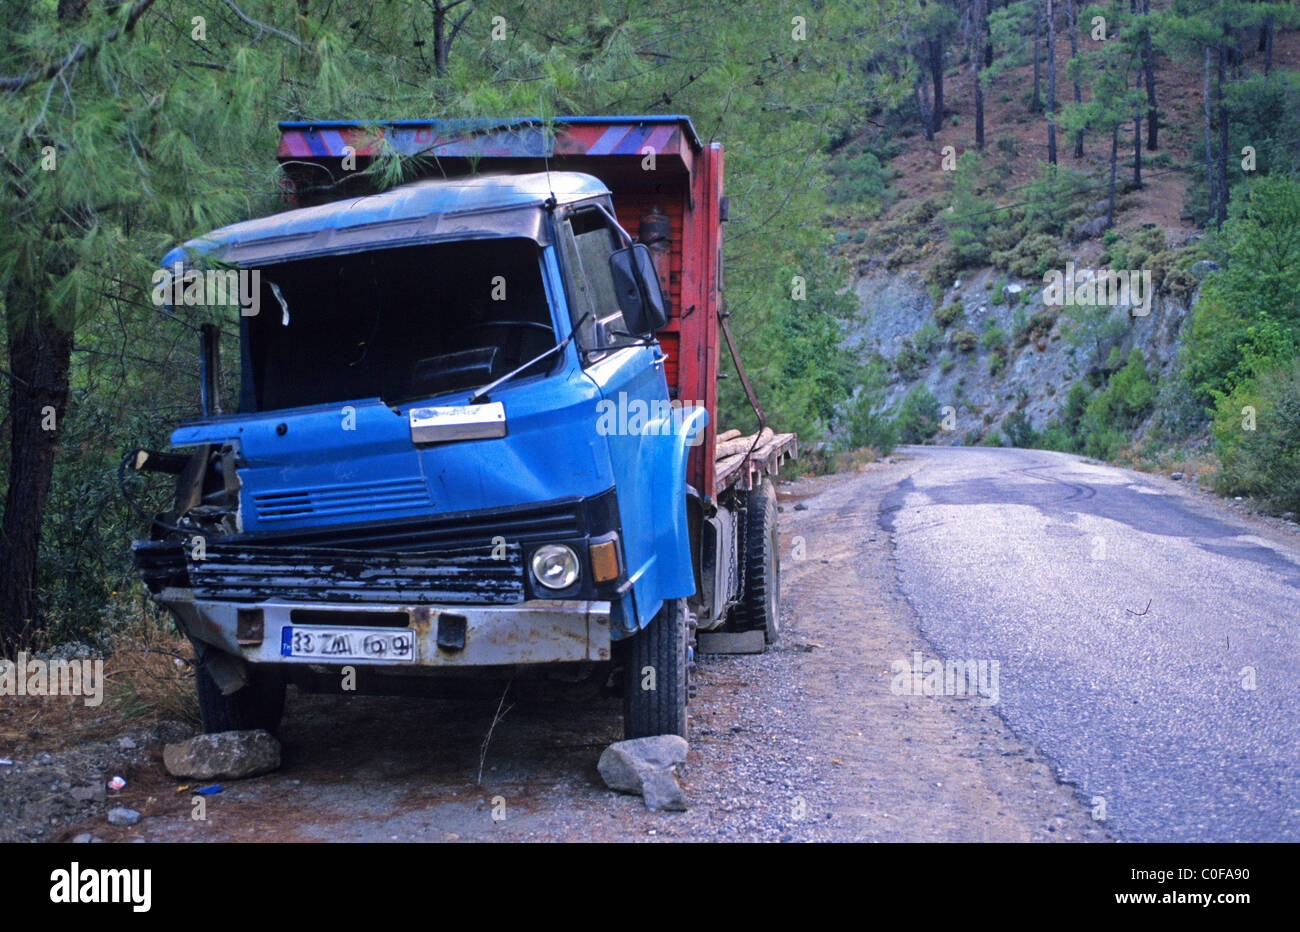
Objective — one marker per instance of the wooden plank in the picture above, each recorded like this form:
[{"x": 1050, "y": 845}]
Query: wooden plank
[{"x": 739, "y": 470}]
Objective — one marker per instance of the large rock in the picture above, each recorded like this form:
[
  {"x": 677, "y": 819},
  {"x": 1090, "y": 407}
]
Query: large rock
[
  {"x": 227, "y": 755},
  {"x": 647, "y": 767},
  {"x": 662, "y": 792},
  {"x": 122, "y": 816}
]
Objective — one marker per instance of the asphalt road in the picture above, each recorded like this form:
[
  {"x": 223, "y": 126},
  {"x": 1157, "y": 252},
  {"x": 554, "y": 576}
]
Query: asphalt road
[{"x": 1145, "y": 635}]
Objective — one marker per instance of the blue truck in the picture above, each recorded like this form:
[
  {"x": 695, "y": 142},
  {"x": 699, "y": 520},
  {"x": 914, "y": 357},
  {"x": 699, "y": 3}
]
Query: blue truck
[{"x": 474, "y": 431}]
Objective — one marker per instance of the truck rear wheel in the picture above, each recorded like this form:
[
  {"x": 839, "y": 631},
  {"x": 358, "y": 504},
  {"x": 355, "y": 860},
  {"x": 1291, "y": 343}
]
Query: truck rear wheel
[
  {"x": 259, "y": 704},
  {"x": 759, "y": 608},
  {"x": 655, "y": 675}
]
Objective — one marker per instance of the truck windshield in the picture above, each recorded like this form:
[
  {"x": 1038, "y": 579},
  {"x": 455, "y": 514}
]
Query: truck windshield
[{"x": 397, "y": 324}]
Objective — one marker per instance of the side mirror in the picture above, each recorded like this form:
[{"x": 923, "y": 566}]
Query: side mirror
[{"x": 636, "y": 283}]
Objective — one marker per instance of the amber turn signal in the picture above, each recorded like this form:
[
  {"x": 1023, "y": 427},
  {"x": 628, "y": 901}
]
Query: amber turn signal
[{"x": 604, "y": 561}]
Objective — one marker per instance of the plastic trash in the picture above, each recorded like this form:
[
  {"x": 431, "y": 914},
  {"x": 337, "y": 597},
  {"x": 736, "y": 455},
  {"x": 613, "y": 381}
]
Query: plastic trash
[
  {"x": 209, "y": 790},
  {"x": 117, "y": 783}
]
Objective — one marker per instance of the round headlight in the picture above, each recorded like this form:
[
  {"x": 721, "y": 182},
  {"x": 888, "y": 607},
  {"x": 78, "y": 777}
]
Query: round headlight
[{"x": 555, "y": 566}]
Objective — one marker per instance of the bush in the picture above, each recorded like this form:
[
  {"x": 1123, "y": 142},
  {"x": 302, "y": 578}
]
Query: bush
[
  {"x": 949, "y": 314},
  {"x": 918, "y": 416},
  {"x": 1031, "y": 256},
  {"x": 1108, "y": 417},
  {"x": 994, "y": 336},
  {"x": 858, "y": 180},
  {"x": 1263, "y": 462},
  {"x": 965, "y": 341},
  {"x": 926, "y": 338},
  {"x": 866, "y": 427},
  {"x": 970, "y": 216},
  {"x": 997, "y": 362},
  {"x": 909, "y": 358},
  {"x": 904, "y": 255},
  {"x": 1019, "y": 434},
  {"x": 1248, "y": 315},
  {"x": 946, "y": 362},
  {"x": 1133, "y": 250}
]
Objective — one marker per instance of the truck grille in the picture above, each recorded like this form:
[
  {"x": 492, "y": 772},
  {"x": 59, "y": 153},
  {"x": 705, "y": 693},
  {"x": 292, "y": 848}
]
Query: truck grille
[
  {"x": 340, "y": 500},
  {"x": 243, "y": 573}
]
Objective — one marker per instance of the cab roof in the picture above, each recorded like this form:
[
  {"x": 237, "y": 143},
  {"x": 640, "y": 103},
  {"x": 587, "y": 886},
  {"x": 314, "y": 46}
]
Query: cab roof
[{"x": 473, "y": 206}]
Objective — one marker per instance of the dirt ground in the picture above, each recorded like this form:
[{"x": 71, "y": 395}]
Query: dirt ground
[{"x": 804, "y": 743}]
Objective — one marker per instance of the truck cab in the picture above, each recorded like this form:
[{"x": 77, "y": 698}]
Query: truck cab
[{"x": 473, "y": 430}]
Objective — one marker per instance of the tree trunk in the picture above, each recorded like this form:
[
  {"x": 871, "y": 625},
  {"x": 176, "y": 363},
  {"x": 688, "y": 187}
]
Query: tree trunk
[
  {"x": 1037, "y": 103},
  {"x": 40, "y": 356},
  {"x": 40, "y": 360},
  {"x": 1051, "y": 84},
  {"x": 1114, "y": 159},
  {"x": 1266, "y": 44},
  {"x": 1137, "y": 149},
  {"x": 439, "y": 40},
  {"x": 1149, "y": 73},
  {"x": 923, "y": 110},
  {"x": 936, "y": 75},
  {"x": 1209, "y": 142},
  {"x": 1221, "y": 163},
  {"x": 975, "y": 65},
  {"x": 1073, "y": 16}
]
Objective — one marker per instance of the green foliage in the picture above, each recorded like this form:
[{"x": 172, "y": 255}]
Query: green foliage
[
  {"x": 964, "y": 341},
  {"x": 1056, "y": 197},
  {"x": 1032, "y": 256},
  {"x": 859, "y": 180},
  {"x": 994, "y": 337},
  {"x": 1260, "y": 456},
  {"x": 918, "y": 416},
  {"x": 927, "y": 338},
  {"x": 1249, "y": 311},
  {"x": 1018, "y": 431},
  {"x": 946, "y": 362},
  {"x": 970, "y": 215},
  {"x": 997, "y": 362},
  {"x": 864, "y": 423},
  {"x": 909, "y": 359},
  {"x": 1133, "y": 250},
  {"x": 951, "y": 313},
  {"x": 1110, "y": 414}
]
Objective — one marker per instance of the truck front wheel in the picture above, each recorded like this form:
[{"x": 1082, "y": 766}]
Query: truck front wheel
[
  {"x": 655, "y": 675},
  {"x": 759, "y": 608},
  {"x": 259, "y": 704}
]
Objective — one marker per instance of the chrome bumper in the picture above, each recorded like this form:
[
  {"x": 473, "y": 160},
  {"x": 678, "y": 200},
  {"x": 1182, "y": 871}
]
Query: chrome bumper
[{"x": 537, "y": 631}]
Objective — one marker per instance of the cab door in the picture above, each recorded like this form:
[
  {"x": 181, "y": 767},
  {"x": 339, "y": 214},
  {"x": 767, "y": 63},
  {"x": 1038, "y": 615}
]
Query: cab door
[{"x": 630, "y": 377}]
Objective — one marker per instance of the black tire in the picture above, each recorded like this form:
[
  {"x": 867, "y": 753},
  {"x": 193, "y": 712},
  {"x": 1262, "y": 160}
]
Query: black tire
[
  {"x": 759, "y": 608},
  {"x": 655, "y": 675},
  {"x": 260, "y": 704}
]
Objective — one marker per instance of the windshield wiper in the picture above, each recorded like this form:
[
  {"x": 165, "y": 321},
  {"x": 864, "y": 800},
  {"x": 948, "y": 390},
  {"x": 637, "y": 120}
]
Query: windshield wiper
[{"x": 557, "y": 348}]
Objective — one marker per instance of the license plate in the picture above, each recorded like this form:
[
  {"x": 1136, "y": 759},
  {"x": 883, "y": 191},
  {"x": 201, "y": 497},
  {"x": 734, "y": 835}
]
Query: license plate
[{"x": 347, "y": 643}]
